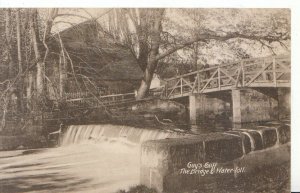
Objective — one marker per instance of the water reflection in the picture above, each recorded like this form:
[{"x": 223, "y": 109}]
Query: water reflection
[{"x": 227, "y": 125}]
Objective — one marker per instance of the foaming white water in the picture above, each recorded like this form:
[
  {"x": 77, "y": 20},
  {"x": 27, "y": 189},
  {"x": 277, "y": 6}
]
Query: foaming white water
[
  {"x": 104, "y": 167},
  {"x": 252, "y": 142},
  {"x": 93, "y": 159},
  {"x": 81, "y": 133}
]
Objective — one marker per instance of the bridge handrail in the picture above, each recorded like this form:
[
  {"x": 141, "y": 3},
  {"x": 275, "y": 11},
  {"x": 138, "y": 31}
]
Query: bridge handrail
[
  {"x": 100, "y": 97},
  {"x": 228, "y": 64}
]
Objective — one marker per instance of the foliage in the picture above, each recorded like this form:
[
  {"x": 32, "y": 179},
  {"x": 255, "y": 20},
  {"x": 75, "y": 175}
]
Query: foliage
[
  {"x": 194, "y": 36},
  {"x": 163, "y": 41}
]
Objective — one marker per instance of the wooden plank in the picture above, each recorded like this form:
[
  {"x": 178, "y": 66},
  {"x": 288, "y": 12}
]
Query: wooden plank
[
  {"x": 228, "y": 75},
  {"x": 198, "y": 77},
  {"x": 238, "y": 77},
  {"x": 243, "y": 73},
  {"x": 173, "y": 88},
  {"x": 274, "y": 72},
  {"x": 195, "y": 83},
  {"x": 283, "y": 66},
  {"x": 219, "y": 78},
  {"x": 187, "y": 83},
  {"x": 258, "y": 74},
  {"x": 209, "y": 80},
  {"x": 181, "y": 86}
]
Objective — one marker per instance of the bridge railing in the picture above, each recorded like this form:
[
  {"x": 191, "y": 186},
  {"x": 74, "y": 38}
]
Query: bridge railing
[
  {"x": 99, "y": 101},
  {"x": 256, "y": 72}
]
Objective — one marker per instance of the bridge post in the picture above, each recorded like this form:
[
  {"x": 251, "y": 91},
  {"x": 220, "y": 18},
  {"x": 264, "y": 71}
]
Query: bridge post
[
  {"x": 208, "y": 108},
  {"x": 236, "y": 106},
  {"x": 251, "y": 105},
  {"x": 284, "y": 100},
  {"x": 193, "y": 104}
]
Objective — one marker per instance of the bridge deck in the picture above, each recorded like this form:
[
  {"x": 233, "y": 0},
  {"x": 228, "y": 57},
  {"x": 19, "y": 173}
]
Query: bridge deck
[{"x": 272, "y": 71}]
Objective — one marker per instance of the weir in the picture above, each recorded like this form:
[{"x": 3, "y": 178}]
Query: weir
[
  {"x": 163, "y": 154},
  {"x": 162, "y": 161},
  {"x": 76, "y": 134}
]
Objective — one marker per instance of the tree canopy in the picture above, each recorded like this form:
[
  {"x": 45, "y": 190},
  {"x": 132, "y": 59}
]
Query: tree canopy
[{"x": 162, "y": 41}]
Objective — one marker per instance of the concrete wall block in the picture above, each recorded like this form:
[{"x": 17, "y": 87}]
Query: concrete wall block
[
  {"x": 161, "y": 160},
  {"x": 258, "y": 143},
  {"x": 223, "y": 150},
  {"x": 284, "y": 134},
  {"x": 245, "y": 139},
  {"x": 269, "y": 137}
]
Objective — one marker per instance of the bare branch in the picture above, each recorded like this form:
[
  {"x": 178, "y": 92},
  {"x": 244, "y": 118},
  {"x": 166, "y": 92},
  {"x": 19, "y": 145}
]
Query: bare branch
[
  {"x": 71, "y": 15},
  {"x": 208, "y": 36}
]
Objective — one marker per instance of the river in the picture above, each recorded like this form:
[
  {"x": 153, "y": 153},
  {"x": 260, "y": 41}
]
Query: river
[{"x": 92, "y": 158}]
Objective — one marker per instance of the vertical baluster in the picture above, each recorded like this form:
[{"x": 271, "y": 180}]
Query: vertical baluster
[
  {"x": 219, "y": 78},
  {"x": 274, "y": 72},
  {"x": 243, "y": 73},
  {"x": 264, "y": 73},
  {"x": 181, "y": 91},
  {"x": 198, "y": 81}
]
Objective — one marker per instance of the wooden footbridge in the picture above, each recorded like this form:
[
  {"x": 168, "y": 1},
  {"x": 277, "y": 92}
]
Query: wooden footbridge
[
  {"x": 274, "y": 71},
  {"x": 257, "y": 72},
  {"x": 268, "y": 72}
]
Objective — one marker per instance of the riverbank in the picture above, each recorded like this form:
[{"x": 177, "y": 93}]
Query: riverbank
[{"x": 17, "y": 142}]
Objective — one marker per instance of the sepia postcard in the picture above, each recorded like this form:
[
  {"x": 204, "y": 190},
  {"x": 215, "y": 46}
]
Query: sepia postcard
[{"x": 145, "y": 100}]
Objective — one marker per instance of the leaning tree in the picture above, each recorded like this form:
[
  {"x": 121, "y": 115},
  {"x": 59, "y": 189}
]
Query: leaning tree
[{"x": 156, "y": 34}]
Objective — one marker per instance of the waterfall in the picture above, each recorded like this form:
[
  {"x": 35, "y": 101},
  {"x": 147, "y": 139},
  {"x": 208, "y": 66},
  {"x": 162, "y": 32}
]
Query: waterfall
[
  {"x": 240, "y": 136},
  {"x": 251, "y": 140},
  {"x": 125, "y": 134}
]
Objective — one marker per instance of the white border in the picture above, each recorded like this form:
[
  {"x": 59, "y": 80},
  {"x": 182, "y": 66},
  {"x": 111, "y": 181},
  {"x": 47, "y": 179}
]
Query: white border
[
  {"x": 292, "y": 4},
  {"x": 152, "y": 3}
]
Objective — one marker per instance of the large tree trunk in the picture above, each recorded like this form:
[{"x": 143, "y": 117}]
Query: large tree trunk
[
  {"x": 20, "y": 84},
  {"x": 29, "y": 88},
  {"x": 155, "y": 32},
  {"x": 8, "y": 35},
  {"x": 36, "y": 47},
  {"x": 62, "y": 76}
]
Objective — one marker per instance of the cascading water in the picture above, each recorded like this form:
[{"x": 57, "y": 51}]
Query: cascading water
[
  {"x": 103, "y": 158},
  {"x": 251, "y": 140},
  {"x": 92, "y": 158},
  {"x": 112, "y": 133}
]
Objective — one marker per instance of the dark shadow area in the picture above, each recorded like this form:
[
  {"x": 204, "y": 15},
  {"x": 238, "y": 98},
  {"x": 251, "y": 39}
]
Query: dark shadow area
[{"x": 53, "y": 182}]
